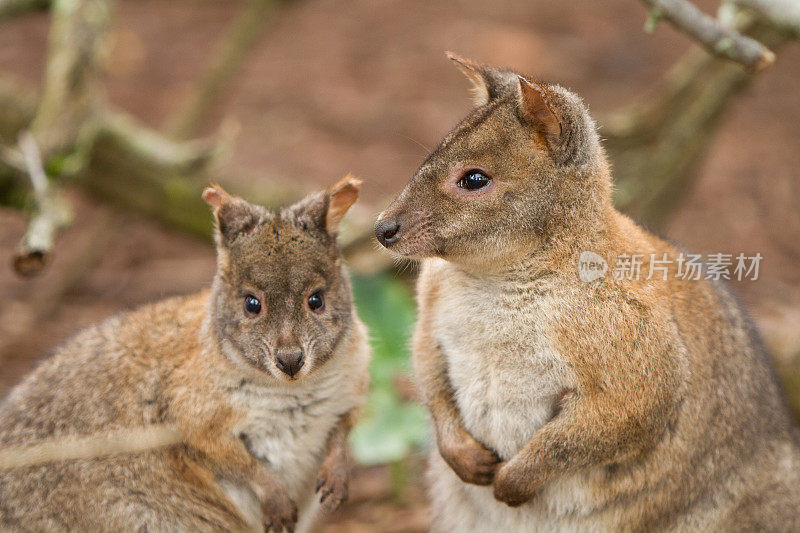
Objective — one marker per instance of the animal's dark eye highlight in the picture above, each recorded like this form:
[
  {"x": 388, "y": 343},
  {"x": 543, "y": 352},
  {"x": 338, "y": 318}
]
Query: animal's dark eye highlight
[
  {"x": 316, "y": 302},
  {"x": 474, "y": 180},
  {"x": 252, "y": 305}
]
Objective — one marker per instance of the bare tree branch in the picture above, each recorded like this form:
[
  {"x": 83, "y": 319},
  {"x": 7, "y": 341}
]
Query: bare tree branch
[
  {"x": 78, "y": 262},
  {"x": 50, "y": 214},
  {"x": 153, "y": 147},
  {"x": 656, "y": 143},
  {"x": 45, "y": 299},
  {"x": 113, "y": 156},
  {"x": 717, "y": 38},
  {"x": 72, "y": 90},
  {"x": 17, "y": 109},
  {"x": 784, "y": 14},
  {"x": 133, "y": 166},
  {"x": 66, "y": 112},
  {"x": 240, "y": 38}
]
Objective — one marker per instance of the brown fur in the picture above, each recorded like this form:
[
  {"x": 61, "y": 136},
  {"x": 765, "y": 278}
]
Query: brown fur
[
  {"x": 251, "y": 433},
  {"x": 610, "y": 405}
]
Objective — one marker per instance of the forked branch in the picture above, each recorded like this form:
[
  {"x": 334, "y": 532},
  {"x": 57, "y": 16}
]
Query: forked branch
[{"x": 716, "y": 37}]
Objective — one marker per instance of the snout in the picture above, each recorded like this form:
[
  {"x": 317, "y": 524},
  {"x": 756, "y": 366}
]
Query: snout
[
  {"x": 407, "y": 234},
  {"x": 290, "y": 361},
  {"x": 387, "y": 230}
]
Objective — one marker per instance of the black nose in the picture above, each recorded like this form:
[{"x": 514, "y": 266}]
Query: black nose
[
  {"x": 290, "y": 362},
  {"x": 387, "y": 231}
]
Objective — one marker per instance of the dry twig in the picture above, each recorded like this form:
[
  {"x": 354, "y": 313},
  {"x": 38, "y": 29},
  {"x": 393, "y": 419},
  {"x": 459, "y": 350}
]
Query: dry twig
[
  {"x": 716, "y": 37},
  {"x": 51, "y": 214}
]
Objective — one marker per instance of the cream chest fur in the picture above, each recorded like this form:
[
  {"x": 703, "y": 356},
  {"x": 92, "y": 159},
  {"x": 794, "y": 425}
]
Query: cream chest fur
[
  {"x": 507, "y": 377},
  {"x": 506, "y": 374},
  {"x": 287, "y": 426}
]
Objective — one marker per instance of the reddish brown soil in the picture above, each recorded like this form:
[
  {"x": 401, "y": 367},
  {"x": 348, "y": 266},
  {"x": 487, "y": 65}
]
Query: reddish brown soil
[{"x": 363, "y": 86}]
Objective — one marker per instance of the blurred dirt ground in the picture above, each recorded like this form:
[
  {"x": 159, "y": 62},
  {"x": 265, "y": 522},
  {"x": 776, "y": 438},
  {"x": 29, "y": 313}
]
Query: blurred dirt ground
[{"x": 363, "y": 86}]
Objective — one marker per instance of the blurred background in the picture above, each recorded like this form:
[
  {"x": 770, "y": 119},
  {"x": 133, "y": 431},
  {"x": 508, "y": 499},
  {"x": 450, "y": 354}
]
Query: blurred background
[{"x": 136, "y": 105}]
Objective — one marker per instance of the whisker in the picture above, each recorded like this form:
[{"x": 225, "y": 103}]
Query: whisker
[{"x": 427, "y": 150}]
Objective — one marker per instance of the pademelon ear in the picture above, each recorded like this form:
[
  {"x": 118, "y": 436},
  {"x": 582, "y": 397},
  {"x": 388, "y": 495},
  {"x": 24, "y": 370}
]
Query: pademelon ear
[
  {"x": 536, "y": 110},
  {"x": 326, "y": 209},
  {"x": 487, "y": 82},
  {"x": 234, "y": 215},
  {"x": 341, "y": 197},
  {"x": 215, "y": 196},
  {"x": 470, "y": 69}
]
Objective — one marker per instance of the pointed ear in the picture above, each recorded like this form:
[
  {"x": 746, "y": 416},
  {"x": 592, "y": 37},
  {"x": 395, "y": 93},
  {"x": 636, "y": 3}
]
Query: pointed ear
[
  {"x": 340, "y": 198},
  {"x": 535, "y": 109},
  {"x": 326, "y": 209},
  {"x": 234, "y": 215},
  {"x": 480, "y": 90},
  {"x": 487, "y": 82}
]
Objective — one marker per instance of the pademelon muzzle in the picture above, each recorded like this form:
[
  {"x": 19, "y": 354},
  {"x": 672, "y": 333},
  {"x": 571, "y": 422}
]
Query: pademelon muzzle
[{"x": 387, "y": 230}]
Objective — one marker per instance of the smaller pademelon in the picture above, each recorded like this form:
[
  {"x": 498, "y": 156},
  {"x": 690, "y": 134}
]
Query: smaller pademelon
[{"x": 262, "y": 376}]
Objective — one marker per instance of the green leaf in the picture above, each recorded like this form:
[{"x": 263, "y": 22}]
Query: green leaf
[{"x": 390, "y": 428}]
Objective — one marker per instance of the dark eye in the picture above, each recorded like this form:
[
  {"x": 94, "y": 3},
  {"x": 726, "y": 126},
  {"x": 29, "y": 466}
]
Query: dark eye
[
  {"x": 474, "y": 180},
  {"x": 252, "y": 306},
  {"x": 316, "y": 301}
]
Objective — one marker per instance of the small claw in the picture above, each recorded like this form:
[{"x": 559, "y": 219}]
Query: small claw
[
  {"x": 324, "y": 494},
  {"x": 320, "y": 483}
]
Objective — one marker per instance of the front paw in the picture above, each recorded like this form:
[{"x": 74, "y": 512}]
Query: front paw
[
  {"x": 514, "y": 485},
  {"x": 332, "y": 486},
  {"x": 469, "y": 459},
  {"x": 280, "y": 512}
]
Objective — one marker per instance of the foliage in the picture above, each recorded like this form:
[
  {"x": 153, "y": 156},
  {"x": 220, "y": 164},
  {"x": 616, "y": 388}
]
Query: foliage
[{"x": 390, "y": 427}]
